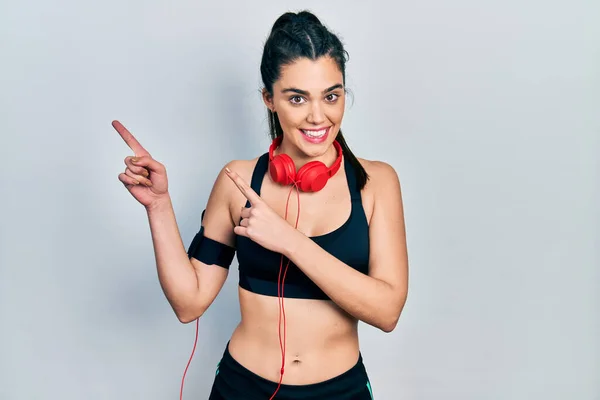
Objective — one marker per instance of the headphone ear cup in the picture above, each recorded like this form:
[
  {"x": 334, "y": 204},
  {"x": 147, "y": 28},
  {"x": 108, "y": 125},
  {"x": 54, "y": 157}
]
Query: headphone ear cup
[
  {"x": 313, "y": 176},
  {"x": 282, "y": 169}
]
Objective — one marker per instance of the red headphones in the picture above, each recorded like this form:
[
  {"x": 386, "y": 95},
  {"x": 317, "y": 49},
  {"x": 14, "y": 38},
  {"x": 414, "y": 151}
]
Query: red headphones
[{"x": 311, "y": 177}]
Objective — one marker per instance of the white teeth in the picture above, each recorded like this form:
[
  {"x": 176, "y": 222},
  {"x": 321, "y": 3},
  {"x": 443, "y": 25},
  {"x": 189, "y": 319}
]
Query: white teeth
[{"x": 315, "y": 134}]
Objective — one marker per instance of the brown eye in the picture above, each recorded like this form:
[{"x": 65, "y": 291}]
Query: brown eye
[
  {"x": 296, "y": 99},
  {"x": 332, "y": 97}
]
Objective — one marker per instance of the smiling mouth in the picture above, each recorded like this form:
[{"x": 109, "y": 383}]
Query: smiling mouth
[{"x": 314, "y": 133}]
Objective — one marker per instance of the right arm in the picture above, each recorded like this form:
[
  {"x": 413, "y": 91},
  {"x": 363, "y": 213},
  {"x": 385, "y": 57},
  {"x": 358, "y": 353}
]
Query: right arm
[{"x": 189, "y": 285}]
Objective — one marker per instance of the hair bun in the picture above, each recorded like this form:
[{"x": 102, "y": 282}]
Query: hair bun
[
  {"x": 283, "y": 20},
  {"x": 290, "y": 18},
  {"x": 307, "y": 16}
]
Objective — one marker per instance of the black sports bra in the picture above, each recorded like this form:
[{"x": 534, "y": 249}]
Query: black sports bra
[{"x": 259, "y": 267}]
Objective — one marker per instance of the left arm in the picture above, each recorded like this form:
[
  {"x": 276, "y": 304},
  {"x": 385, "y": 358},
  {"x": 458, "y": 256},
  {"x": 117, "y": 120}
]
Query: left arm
[{"x": 377, "y": 298}]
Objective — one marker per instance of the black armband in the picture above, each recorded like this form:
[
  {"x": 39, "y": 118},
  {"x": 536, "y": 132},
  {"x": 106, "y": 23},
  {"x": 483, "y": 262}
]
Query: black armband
[{"x": 210, "y": 251}]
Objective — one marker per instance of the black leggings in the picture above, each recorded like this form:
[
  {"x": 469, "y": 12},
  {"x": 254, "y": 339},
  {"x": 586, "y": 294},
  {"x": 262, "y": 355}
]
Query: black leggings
[{"x": 235, "y": 382}]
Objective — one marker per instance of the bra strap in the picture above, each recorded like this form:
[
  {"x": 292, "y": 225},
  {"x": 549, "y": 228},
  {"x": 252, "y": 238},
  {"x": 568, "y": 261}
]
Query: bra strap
[
  {"x": 260, "y": 169},
  {"x": 351, "y": 178}
]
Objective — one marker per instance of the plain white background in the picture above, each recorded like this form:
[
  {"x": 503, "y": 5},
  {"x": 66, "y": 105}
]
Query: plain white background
[{"x": 487, "y": 110}]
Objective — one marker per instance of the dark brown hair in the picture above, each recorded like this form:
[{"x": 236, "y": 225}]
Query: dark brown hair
[{"x": 302, "y": 35}]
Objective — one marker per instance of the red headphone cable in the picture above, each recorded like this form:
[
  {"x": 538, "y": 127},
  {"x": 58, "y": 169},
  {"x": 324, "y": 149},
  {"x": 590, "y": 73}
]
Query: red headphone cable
[
  {"x": 280, "y": 288},
  {"x": 189, "y": 361}
]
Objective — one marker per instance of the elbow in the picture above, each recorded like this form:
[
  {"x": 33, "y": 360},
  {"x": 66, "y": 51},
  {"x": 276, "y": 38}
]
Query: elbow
[
  {"x": 186, "y": 318},
  {"x": 389, "y": 325},
  {"x": 390, "y": 321},
  {"x": 188, "y": 314},
  {"x": 386, "y": 323}
]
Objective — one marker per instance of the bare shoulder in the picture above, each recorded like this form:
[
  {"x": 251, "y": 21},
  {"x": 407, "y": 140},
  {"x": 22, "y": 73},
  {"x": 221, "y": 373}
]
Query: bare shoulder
[
  {"x": 225, "y": 186},
  {"x": 235, "y": 198},
  {"x": 243, "y": 168},
  {"x": 225, "y": 200},
  {"x": 382, "y": 189},
  {"x": 381, "y": 174}
]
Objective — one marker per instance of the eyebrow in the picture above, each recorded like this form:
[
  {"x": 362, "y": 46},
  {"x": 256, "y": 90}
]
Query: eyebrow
[{"x": 305, "y": 93}]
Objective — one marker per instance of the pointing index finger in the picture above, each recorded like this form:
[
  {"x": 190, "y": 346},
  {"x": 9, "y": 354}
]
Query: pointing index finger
[
  {"x": 131, "y": 141},
  {"x": 246, "y": 190}
]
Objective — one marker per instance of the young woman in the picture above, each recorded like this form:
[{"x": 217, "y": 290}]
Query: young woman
[{"x": 319, "y": 234}]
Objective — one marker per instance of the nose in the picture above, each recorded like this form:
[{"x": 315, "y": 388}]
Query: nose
[{"x": 316, "y": 115}]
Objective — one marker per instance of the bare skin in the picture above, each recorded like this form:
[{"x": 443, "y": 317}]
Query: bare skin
[{"x": 322, "y": 338}]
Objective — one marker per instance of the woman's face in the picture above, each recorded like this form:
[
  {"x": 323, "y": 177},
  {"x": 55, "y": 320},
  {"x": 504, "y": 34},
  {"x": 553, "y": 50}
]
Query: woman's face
[{"x": 309, "y": 99}]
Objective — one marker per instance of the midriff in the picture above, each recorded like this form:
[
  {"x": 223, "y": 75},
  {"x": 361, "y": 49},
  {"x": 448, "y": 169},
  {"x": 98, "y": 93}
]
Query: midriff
[{"x": 322, "y": 339}]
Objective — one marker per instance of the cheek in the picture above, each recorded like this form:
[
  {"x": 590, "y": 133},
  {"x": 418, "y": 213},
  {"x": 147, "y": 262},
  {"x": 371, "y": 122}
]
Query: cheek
[
  {"x": 290, "y": 116},
  {"x": 336, "y": 113}
]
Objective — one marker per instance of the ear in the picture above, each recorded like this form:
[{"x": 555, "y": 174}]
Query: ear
[{"x": 268, "y": 99}]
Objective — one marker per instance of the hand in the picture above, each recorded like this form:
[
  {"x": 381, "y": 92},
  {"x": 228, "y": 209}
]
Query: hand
[
  {"x": 260, "y": 222},
  {"x": 144, "y": 177}
]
